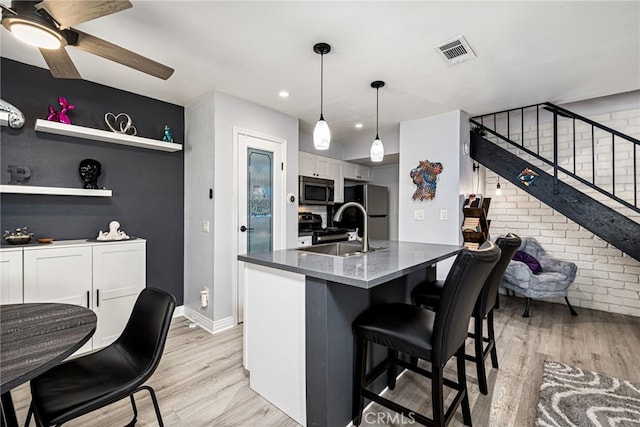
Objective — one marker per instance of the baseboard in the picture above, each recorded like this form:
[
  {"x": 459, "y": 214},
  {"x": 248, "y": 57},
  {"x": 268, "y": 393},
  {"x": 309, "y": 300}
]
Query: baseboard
[
  {"x": 213, "y": 327},
  {"x": 178, "y": 312}
]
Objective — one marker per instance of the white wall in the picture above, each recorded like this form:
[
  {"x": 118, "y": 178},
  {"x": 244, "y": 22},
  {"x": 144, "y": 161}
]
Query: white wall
[
  {"x": 229, "y": 112},
  {"x": 360, "y": 148},
  {"x": 335, "y": 151},
  {"x": 437, "y": 139}
]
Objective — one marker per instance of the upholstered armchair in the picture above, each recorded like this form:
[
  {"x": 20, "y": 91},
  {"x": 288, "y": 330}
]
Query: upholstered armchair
[{"x": 551, "y": 279}]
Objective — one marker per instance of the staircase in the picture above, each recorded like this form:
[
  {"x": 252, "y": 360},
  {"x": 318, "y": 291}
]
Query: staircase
[{"x": 586, "y": 171}]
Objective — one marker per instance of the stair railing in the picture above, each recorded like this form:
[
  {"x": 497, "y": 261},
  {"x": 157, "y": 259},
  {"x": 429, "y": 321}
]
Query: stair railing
[{"x": 577, "y": 126}]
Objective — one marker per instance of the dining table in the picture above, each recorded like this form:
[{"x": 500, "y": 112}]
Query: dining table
[{"x": 35, "y": 337}]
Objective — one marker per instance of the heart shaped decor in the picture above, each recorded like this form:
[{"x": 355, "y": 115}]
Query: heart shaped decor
[{"x": 120, "y": 123}]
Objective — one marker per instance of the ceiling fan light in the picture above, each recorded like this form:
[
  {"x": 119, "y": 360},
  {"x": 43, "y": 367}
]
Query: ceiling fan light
[
  {"x": 321, "y": 135},
  {"x": 36, "y": 35},
  {"x": 377, "y": 150}
]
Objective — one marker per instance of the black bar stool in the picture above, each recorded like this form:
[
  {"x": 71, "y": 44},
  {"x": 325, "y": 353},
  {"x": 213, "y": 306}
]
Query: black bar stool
[
  {"x": 428, "y": 294},
  {"x": 421, "y": 333}
]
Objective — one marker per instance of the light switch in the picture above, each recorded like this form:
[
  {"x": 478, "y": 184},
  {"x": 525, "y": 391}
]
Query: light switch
[
  {"x": 418, "y": 214},
  {"x": 205, "y": 226},
  {"x": 443, "y": 214}
]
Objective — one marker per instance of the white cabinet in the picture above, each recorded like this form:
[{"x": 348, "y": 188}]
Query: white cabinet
[
  {"x": 104, "y": 276},
  {"x": 11, "y": 276},
  {"x": 338, "y": 180},
  {"x": 312, "y": 165},
  {"x": 304, "y": 241},
  {"x": 119, "y": 275},
  {"x": 356, "y": 172}
]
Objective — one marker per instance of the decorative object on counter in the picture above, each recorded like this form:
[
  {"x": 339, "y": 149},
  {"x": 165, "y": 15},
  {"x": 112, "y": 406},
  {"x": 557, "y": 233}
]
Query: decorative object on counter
[
  {"x": 19, "y": 174},
  {"x": 114, "y": 233},
  {"x": 167, "y": 135},
  {"x": 321, "y": 132},
  {"x": 61, "y": 116},
  {"x": 120, "y": 123},
  {"x": 377, "y": 149},
  {"x": 19, "y": 237},
  {"x": 425, "y": 177},
  {"x": 46, "y": 240},
  {"x": 527, "y": 176},
  {"x": 16, "y": 118},
  {"x": 90, "y": 170}
]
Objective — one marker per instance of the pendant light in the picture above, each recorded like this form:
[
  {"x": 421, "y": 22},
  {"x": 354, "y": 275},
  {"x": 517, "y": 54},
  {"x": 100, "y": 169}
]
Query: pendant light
[
  {"x": 321, "y": 133},
  {"x": 377, "y": 149},
  {"x": 498, "y": 190}
]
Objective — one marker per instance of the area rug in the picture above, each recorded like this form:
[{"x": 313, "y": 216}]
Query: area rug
[{"x": 571, "y": 397}]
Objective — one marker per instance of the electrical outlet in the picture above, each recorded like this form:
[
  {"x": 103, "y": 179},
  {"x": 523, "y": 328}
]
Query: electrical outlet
[
  {"x": 443, "y": 214},
  {"x": 418, "y": 214},
  {"x": 205, "y": 226}
]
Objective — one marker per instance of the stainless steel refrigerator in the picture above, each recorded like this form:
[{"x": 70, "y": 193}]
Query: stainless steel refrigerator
[{"x": 375, "y": 200}]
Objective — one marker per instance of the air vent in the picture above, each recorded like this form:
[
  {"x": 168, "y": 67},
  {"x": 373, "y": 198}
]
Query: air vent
[{"x": 456, "y": 50}]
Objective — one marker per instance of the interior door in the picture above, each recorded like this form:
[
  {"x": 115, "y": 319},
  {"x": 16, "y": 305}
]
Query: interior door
[{"x": 261, "y": 202}]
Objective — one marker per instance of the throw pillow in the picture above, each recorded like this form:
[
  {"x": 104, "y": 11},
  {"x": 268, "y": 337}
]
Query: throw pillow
[{"x": 529, "y": 260}]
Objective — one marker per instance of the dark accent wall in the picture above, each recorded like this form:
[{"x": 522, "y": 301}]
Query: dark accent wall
[{"x": 147, "y": 185}]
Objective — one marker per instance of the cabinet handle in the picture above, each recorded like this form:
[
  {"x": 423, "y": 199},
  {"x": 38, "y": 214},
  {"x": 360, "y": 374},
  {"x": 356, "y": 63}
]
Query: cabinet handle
[
  {"x": 97, "y": 297},
  {"x": 88, "y": 296}
]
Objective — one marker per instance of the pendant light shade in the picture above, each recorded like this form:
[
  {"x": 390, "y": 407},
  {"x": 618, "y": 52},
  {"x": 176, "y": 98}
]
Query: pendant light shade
[
  {"x": 321, "y": 132},
  {"x": 377, "y": 149},
  {"x": 498, "y": 189}
]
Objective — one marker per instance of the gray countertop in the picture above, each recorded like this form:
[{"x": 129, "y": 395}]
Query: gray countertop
[{"x": 364, "y": 271}]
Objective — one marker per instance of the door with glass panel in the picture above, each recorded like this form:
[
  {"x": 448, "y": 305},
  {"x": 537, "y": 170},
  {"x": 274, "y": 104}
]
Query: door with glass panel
[{"x": 260, "y": 201}]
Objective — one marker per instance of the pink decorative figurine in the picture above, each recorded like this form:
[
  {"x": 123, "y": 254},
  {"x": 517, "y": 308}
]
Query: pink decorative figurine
[{"x": 61, "y": 116}]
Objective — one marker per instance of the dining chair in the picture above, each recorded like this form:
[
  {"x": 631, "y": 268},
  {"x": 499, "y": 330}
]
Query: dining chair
[
  {"x": 420, "y": 333},
  {"x": 428, "y": 294},
  {"x": 90, "y": 382}
]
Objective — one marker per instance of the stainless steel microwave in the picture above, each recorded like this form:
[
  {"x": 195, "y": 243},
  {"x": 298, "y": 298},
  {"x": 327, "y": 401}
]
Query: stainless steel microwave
[{"x": 315, "y": 191}]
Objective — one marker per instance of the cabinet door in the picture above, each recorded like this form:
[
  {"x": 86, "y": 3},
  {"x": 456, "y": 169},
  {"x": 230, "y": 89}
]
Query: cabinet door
[
  {"x": 364, "y": 172},
  {"x": 61, "y": 275},
  {"x": 11, "y": 276},
  {"x": 323, "y": 167},
  {"x": 119, "y": 274},
  {"x": 306, "y": 164},
  {"x": 349, "y": 170},
  {"x": 336, "y": 175}
]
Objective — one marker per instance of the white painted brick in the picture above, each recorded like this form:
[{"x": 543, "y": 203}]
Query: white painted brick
[
  {"x": 569, "y": 226},
  {"x": 624, "y": 260},
  {"x": 529, "y": 219},
  {"x": 607, "y": 251},
  {"x": 540, "y": 226},
  {"x": 528, "y": 205},
  {"x": 593, "y": 243},
  {"x": 579, "y": 234},
  {"x": 608, "y": 299},
  {"x": 582, "y": 265},
  {"x": 553, "y": 233},
  {"x": 607, "y": 283},
  {"x": 623, "y": 293},
  {"x": 595, "y": 274},
  {"x": 632, "y": 269},
  {"x": 629, "y": 311},
  {"x": 570, "y": 257},
  {"x": 624, "y": 277},
  {"x": 595, "y": 305},
  {"x": 609, "y": 267},
  {"x": 565, "y": 241},
  {"x": 629, "y": 302},
  {"x": 595, "y": 259},
  {"x": 544, "y": 241},
  {"x": 581, "y": 250},
  {"x": 556, "y": 251},
  {"x": 593, "y": 290},
  {"x": 632, "y": 286}
]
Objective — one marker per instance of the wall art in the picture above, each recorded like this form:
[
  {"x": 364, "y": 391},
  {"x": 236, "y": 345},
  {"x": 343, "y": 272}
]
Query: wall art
[
  {"x": 61, "y": 116},
  {"x": 120, "y": 123},
  {"x": 425, "y": 177},
  {"x": 527, "y": 176}
]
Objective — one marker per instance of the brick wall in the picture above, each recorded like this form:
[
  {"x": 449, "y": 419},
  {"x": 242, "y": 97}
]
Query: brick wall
[{"x": 607, "y": 279}]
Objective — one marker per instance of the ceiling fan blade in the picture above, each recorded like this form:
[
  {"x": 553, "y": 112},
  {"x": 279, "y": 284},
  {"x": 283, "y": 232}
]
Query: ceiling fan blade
[
  {"x": 74, "y": 12},
  {"x": 60, "y": 64},
  {"x": 112, "y": 52}
]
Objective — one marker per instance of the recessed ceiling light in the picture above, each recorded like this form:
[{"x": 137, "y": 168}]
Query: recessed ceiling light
[
  {"x": 284, "y": 94},
  {"x": 359, "y": 125}
]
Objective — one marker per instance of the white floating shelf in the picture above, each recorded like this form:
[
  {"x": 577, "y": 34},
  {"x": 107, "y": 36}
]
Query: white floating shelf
[
  {"x": 55, "y": 191},
  {"x": 104, "y": 136},
  {"x": 4, "y": 118}
]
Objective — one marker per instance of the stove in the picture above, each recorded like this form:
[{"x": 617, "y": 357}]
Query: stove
[{"x": 311, "y": 224}]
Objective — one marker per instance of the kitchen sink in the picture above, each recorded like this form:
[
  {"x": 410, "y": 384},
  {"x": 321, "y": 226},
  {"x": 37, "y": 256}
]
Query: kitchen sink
[{"x": 341, "y": 249}]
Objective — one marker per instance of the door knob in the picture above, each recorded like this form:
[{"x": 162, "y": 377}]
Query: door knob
[{"x": 243, "y": 229}]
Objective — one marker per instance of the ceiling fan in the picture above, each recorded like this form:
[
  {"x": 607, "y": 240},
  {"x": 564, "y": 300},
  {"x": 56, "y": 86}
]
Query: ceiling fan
[{"x": 47, "y": 25}]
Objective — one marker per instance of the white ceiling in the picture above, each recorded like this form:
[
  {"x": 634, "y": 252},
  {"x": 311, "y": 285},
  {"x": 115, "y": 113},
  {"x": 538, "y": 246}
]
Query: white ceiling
[{"x": 528, "y": 52}]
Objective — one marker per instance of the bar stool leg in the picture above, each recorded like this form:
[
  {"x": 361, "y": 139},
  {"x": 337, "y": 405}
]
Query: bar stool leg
[
  {"x": 479, "y": 348},
  {"x": 359, "y": 380},
  {"x": 392, "y": 370},
  {"x": 492, "y": 339},
  {"x": 462, "y": 382},
  {"x": 437, "y": 394}
]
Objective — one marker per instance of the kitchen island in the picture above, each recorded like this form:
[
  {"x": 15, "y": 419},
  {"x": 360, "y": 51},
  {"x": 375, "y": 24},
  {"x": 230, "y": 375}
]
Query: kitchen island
[{"x": 299, "y": 306}]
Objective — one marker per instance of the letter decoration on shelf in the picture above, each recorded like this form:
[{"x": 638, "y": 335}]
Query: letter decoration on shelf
[
  {"x": 61, "y": 116},
  {"x": 425, "y": 177},
  {"x": 120, "y": 123},
  {"x": 19, "y": 174},
  {"x": 527, "y": 176},
  {"x": 16, "y": 118}
]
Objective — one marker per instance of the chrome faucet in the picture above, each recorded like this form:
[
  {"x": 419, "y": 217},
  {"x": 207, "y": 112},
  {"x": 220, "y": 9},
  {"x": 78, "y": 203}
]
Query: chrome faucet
[{"x": 365, "y": 232}]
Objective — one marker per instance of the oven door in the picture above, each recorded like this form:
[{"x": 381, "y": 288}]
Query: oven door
[{"x": 315, "y": 191}]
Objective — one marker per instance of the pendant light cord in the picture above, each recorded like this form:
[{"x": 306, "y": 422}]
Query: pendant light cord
[
  {"x": 321, "y": 85},
  {"x": 377, "y": 106}
]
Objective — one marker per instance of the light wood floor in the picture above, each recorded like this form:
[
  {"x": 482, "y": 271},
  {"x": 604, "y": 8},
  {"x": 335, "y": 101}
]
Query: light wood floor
[{"x": 201, "y": 382}]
